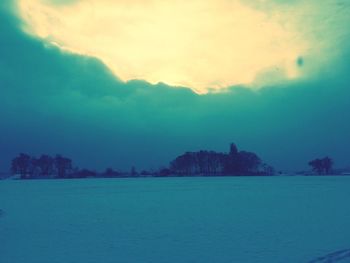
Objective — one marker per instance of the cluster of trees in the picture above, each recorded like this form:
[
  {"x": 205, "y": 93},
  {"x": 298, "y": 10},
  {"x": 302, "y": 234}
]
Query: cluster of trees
[
  {"x": 213, "y": 163},
  {"x": 46, "y": 166},
  {"x": 191, "y": 163},
  {"x": 322, "y": 166}
]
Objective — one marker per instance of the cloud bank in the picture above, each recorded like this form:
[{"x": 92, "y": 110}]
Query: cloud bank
[
  {"x": 53, "y": 101},
  {"x": 204, "y": 45}
]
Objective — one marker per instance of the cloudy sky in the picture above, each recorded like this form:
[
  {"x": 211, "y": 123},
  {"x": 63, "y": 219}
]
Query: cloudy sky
[{"x": 122, "y": 83}]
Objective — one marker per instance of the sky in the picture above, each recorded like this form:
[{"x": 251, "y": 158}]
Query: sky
[{"x": 136, "y": 83}]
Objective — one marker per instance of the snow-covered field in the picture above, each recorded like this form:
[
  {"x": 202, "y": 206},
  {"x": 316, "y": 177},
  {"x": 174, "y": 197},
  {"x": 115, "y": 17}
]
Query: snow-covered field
[{"x": 175, "y": 220}]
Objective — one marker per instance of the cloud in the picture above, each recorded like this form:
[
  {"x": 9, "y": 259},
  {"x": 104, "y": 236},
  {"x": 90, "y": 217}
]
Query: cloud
[
  {"x": 204, "y": 45},
  {"x": 59, "y": 102}
]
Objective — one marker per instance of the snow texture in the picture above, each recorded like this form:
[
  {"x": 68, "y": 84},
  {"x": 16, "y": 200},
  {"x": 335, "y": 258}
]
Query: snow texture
[{"x": 175, "y": 220}]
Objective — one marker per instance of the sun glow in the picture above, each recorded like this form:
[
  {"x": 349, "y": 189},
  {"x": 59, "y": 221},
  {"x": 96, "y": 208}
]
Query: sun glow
[{"x": 204, "y": 45}]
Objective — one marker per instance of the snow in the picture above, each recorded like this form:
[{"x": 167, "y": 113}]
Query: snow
[{"x": 175, "y": 220}]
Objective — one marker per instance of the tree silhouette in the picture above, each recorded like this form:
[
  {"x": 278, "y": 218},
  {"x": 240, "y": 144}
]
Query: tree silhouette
[
  {"x": 21, "y": 165},
  {"x": 327, "y": 164},
  {"x": 316, "y": 165},
  {"x": 63, "y": 166},
  {"x": 233, "y": 149},
  {"x": 248, "y": 162},
  {"x": 46, "y": 164},
  {"x": 322, "y": 166},
  {"x": 213, "y": 163}
]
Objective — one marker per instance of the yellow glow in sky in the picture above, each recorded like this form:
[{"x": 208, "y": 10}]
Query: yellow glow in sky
[{"x": 204, "y": 45}]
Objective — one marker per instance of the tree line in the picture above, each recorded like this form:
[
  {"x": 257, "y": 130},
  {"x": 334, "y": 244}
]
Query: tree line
[
  {"x": 46, "y": 166},
  {"x": 200, "y": 163},
  {"x": 216, "y": 163}
]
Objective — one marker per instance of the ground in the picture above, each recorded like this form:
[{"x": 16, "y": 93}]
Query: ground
[{"x": 175, "y": 220}]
